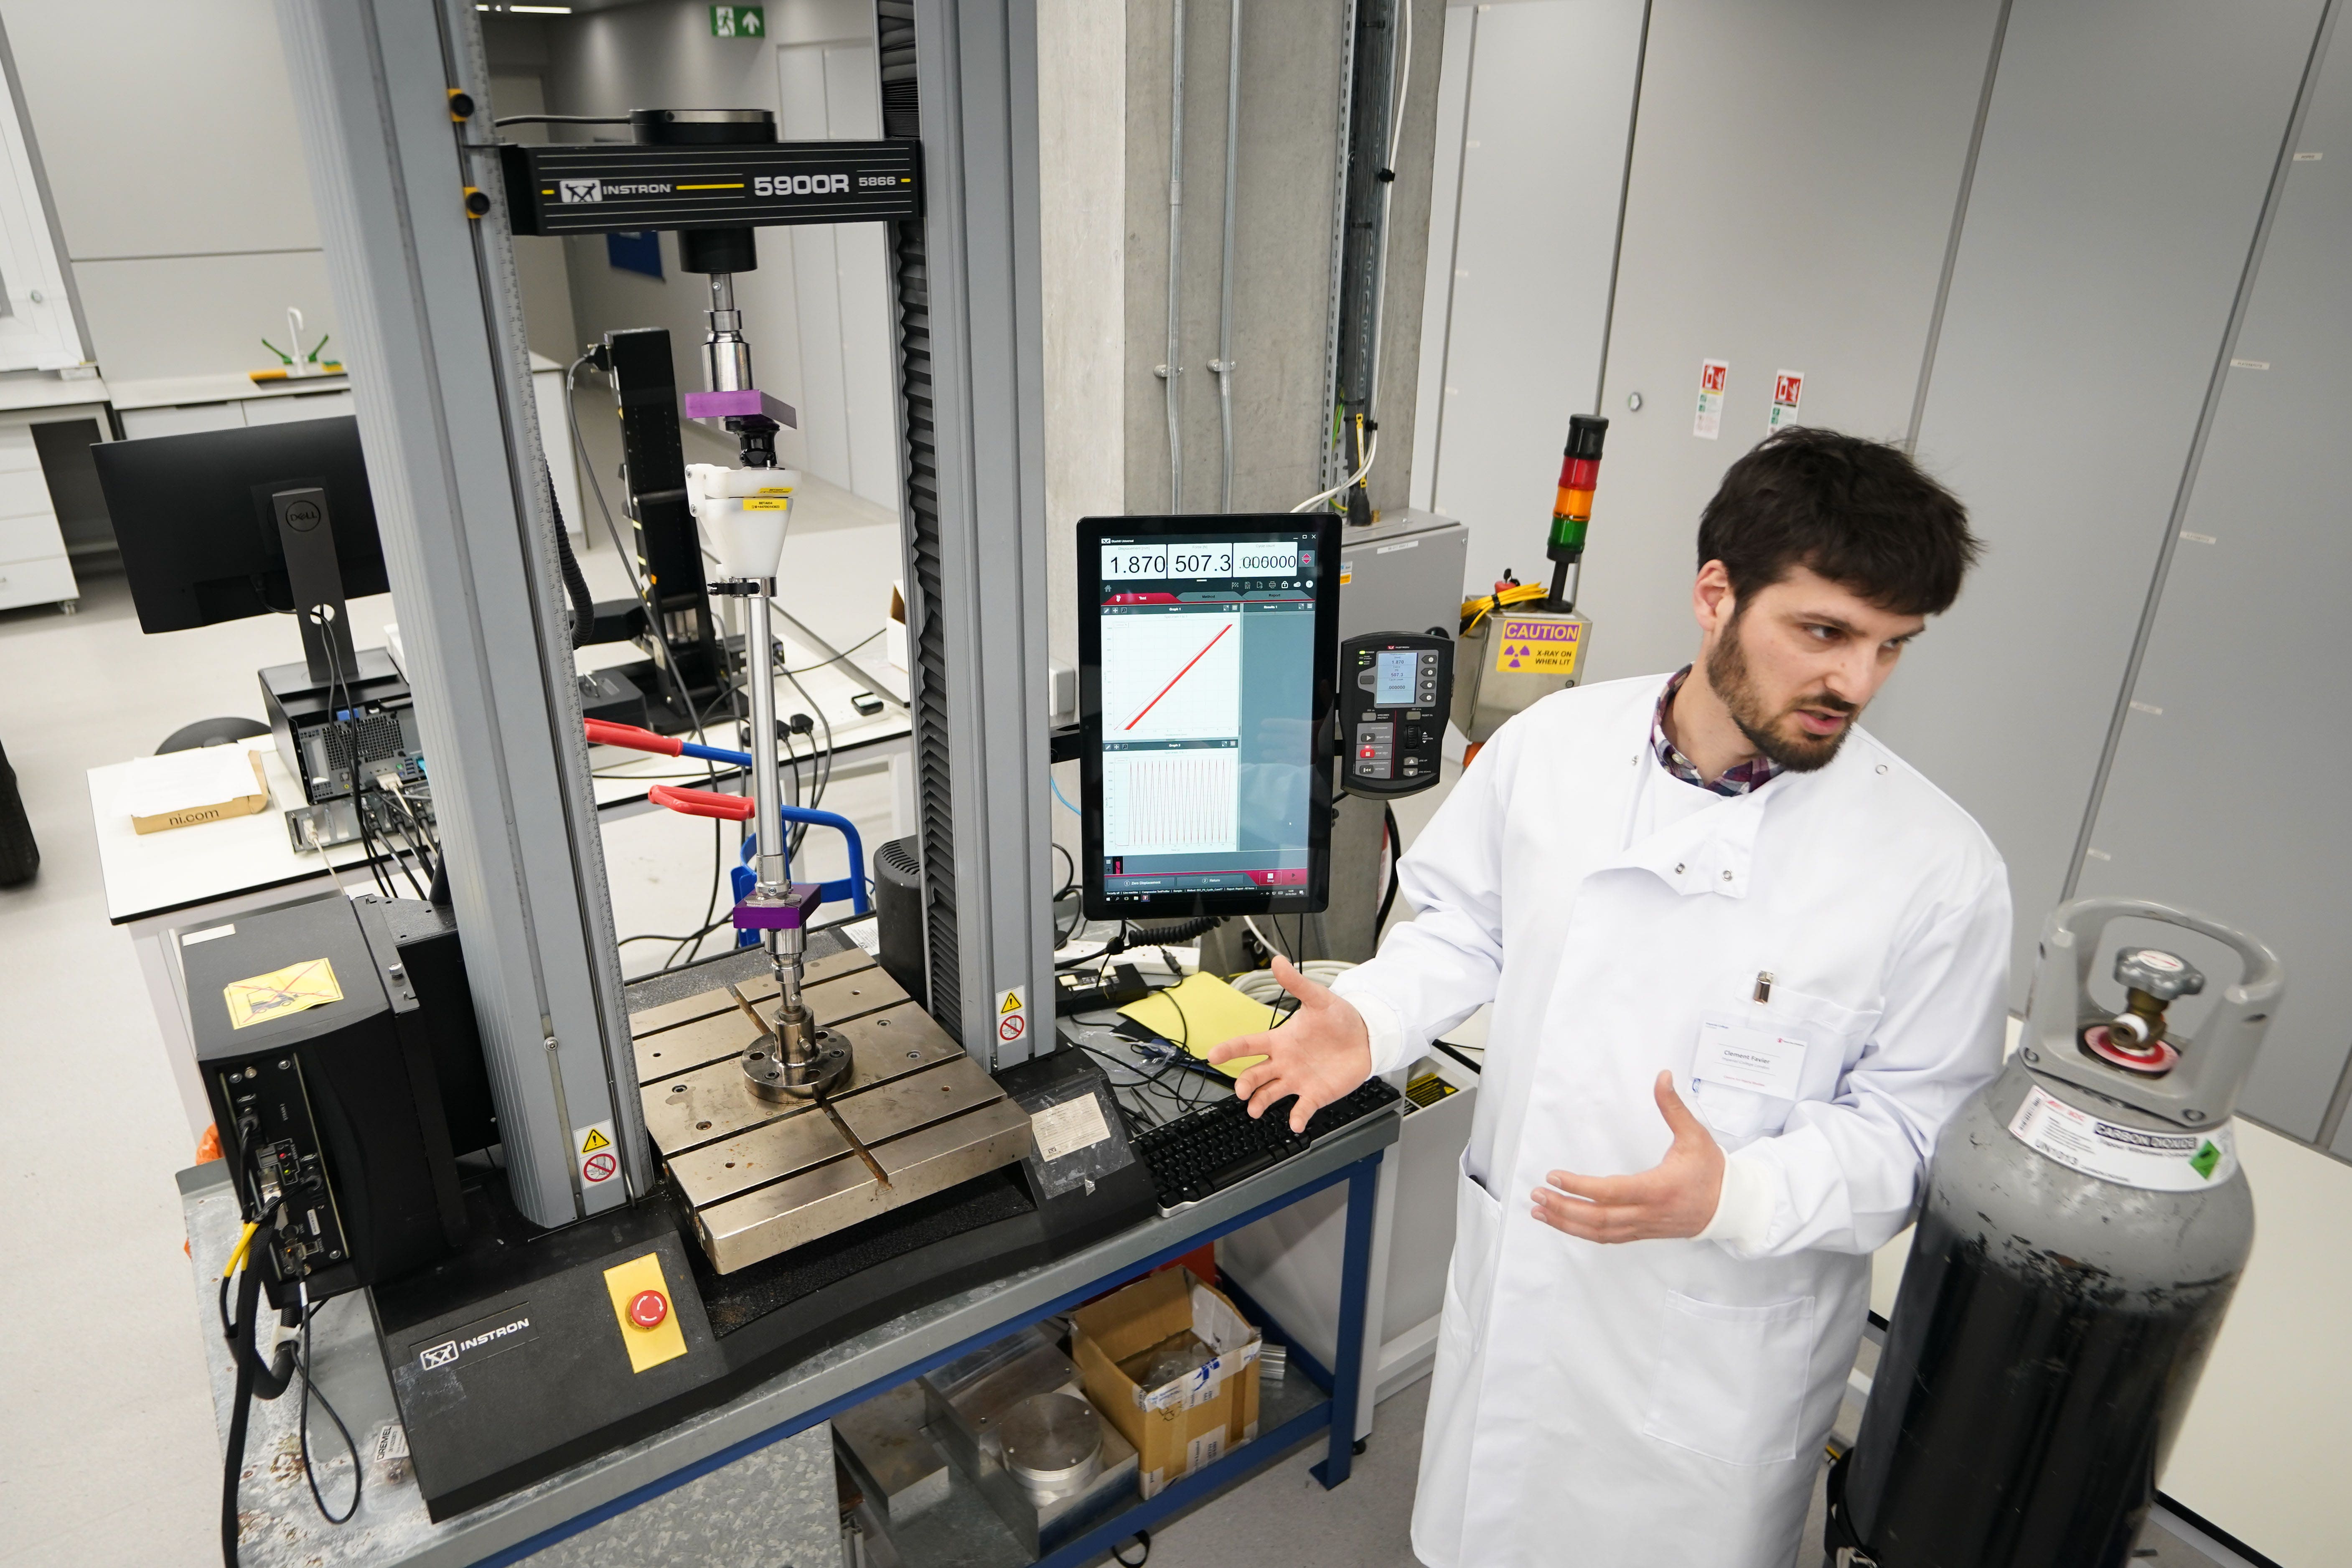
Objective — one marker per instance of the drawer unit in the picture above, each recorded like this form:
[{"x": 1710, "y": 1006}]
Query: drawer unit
[{"x": 49, "y": 582}]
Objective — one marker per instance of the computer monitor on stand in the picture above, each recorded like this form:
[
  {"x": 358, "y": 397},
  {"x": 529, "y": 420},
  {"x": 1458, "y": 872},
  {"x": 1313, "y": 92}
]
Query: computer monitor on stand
[
  {"x": 1208, "y": 656},
  {"x": 273, "y": 519}
]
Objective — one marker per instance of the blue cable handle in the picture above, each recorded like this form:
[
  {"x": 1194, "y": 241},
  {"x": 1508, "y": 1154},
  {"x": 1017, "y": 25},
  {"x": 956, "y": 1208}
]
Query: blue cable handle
[
  {"x": 851, "y": 887},
  {"x": 715, "y": 754}
]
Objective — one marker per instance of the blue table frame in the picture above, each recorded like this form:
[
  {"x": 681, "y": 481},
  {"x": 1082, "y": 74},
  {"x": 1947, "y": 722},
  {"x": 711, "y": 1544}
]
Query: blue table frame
[{"x": 1336, "y": 1413}]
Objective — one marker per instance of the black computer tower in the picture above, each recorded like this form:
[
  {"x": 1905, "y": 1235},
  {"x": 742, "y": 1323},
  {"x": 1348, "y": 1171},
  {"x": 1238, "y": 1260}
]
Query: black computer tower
[{"x": 319, "y": 1061}]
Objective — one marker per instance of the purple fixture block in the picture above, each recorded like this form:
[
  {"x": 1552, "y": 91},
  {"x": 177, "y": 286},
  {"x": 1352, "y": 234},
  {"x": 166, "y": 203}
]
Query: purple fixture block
[
  {"x": 788, "y": 913},
  {"x": 746, "y": 403}
]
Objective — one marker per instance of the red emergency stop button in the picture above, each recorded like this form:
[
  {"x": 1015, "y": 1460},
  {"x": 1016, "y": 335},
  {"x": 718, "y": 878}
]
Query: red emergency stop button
[{"x": 648, "y": 1308}]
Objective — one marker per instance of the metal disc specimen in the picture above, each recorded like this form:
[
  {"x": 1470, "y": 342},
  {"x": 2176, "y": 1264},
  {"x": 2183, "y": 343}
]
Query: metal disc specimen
[{"x": 1052, "y": 1444}]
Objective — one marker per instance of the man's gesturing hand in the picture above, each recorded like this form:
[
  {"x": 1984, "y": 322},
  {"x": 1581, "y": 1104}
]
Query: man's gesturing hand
[
  {"x": 1675, "y": 1197},
  {"x": 1319, "y": 1055}
]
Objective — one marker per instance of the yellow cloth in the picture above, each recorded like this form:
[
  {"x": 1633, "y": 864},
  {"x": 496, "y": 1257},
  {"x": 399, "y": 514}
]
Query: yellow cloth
[{"x": 1202, "y": 1013}]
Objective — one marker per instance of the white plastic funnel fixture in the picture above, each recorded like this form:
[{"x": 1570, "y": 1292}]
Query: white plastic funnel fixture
[{"x": 744, "y": 513}]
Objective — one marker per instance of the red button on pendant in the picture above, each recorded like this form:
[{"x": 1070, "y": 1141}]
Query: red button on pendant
[{"x": 649, "y": 1309}]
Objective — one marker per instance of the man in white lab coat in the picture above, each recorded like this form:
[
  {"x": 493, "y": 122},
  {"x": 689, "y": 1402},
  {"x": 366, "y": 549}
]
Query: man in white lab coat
[{"x": 1744, "y": 963}]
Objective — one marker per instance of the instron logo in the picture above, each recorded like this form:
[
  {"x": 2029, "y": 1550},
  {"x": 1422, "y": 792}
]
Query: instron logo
[
  {"x": 580, "y": 190},
  {"x": 449, "y": 1352}
]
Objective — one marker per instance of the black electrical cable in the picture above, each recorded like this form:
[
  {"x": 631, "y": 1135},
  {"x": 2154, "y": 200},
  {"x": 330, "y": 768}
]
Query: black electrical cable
[
  {"x": 711, "y": 917},
  {"x": 837, "y": 658},
  {"x": 310, "y": 1390},
  {"x": 580, "y": 450},
  {"x": 420, "y": 836},
  {"x": 344, "y": 706},
  {"x": 656, "y": 646},
  {"x": 390, "y": 848},
  {"x": 825, "y": 778},
  {"x": 562, "y": 120},
  {"x": 1143, "y": 1538},
  {"x": 255, "y": 1378}
]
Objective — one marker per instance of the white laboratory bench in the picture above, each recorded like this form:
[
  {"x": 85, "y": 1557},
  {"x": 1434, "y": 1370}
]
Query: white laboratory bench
[
  {"x": 161, "y": 885},
  {"x": 182, "y": 405}
]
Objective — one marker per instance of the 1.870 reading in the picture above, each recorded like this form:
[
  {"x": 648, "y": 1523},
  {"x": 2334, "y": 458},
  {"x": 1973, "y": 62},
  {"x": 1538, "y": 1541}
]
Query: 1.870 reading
[{"x": 1129, "y": 562}]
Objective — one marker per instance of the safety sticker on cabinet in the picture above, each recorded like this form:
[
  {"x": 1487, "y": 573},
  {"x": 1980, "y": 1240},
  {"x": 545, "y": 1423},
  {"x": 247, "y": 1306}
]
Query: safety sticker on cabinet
[
  {"x": 297, "y": 988},
  {"x": 592, "y": 1145},
  {"x": 2166, "y": 1162},
  {"x": 1537, "y": 646},
  {"x": 1712, "y": 373},
  {"x": 1012, "y": 1016}
]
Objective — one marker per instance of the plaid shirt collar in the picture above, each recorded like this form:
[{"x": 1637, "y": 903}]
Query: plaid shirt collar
[{"x": 1739, "y": 779}]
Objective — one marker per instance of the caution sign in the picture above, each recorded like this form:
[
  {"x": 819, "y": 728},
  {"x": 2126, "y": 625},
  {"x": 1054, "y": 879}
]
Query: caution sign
[
  {"x": 1537, "y": 647},
  {"x": 592, "y": 1147},
  {"x": 1012, "y": 1016}
]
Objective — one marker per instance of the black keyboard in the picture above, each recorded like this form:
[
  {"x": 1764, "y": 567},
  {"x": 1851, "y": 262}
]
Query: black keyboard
[{"x": 1206, "y": 1151}]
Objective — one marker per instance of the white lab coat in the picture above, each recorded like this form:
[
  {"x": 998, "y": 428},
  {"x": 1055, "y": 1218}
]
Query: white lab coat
[{"x": 1665, "y": 1402}]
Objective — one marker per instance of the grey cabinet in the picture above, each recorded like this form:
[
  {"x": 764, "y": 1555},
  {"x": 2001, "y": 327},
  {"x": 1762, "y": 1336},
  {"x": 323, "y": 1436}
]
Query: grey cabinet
[
  {"x": 2228, "y": 790},
  {"x": 2127, "y": 152}
]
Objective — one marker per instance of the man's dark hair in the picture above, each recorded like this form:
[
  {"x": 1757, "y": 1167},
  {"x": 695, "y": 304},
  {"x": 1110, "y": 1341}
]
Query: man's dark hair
[{"x": 1860, "y": 513}]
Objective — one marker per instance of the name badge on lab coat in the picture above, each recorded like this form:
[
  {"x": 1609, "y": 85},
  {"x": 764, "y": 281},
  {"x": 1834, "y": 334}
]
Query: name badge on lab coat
[{"x": 1762, "y": 1061}]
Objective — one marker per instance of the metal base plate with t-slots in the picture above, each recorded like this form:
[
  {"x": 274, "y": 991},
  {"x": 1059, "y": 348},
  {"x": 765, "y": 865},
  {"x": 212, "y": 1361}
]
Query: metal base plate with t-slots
[{"x": 915, "y": 1116}]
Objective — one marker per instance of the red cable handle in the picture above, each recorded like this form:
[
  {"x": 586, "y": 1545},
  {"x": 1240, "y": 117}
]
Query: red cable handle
[
  {"x": 703, "y": 803},
  {"x": 602, "y": 734}
]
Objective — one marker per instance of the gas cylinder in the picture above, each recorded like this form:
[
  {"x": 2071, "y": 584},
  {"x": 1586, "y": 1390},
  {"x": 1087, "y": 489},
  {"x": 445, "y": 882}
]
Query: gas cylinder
[{"x": 2084, "y": 1226}]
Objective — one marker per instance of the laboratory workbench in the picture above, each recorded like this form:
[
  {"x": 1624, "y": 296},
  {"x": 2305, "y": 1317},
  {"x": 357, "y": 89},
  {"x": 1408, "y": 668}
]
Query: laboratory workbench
[
  {"x": 762, "y": 1463},
  {"x": 161, "y": 885}
]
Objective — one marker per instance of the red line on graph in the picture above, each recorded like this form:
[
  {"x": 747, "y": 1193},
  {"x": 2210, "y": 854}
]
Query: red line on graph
[{"x": 1180, "y": 674}]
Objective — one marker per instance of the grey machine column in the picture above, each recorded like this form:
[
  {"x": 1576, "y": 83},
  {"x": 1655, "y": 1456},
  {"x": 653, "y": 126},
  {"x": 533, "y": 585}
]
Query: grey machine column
[
  {"x": 394, "y": 101},
  {"x": 962, "y": 75}
]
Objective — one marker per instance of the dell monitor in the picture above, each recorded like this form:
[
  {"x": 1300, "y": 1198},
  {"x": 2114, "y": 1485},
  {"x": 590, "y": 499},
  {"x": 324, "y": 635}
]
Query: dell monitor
[
  {"x": 1208, "y": 651},
  {"x": 223, "y": 524}
]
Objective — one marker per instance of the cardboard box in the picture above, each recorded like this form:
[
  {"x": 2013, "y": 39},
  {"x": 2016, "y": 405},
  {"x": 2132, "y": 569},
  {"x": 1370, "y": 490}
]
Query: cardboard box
[
  {"x": 196, "y": 810},
  {"x": 894, "y": 630},
  {"x": 1179, "y": 1426}
]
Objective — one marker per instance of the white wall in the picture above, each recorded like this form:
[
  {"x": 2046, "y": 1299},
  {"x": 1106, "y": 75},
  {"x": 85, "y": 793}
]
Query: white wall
[
  {"x": 167, "y": 130},
  {"x": 1523, "y": 241},
  {"x": 1796, "y": 167},
  {"x": 1081, "y": 157},
  {"x": 661, "y": 54}
]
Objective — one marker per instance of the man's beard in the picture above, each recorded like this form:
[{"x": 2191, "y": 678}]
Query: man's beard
[{"x": 1792, "y": 749}]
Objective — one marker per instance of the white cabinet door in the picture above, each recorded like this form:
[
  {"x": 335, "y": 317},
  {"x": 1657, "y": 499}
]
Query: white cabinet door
[
  {"x": 49, "y": 582},
  {"x": 291, "y": 406}
]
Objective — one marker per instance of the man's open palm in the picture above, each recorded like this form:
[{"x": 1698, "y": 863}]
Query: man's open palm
[
  {"x": 1320, "y": 1052},
  {"x": 1675, "y": 1197}
]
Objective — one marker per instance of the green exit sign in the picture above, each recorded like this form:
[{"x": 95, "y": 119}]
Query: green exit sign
[{"x": 739, "y": 21}]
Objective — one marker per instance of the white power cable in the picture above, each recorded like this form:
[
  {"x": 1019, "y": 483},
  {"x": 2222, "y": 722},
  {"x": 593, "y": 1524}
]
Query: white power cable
[
  {"x": 1371, "y": 450},
  {"x": 1260, "y": 985}
]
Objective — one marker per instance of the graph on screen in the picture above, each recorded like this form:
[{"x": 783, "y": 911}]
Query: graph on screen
[
  {"x": 1180, "y": 802},
  {"x": 1172, "y": 676}
]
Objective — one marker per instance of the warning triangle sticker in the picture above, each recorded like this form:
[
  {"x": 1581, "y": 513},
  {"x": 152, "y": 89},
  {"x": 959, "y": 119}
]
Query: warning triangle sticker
[
  {"x": 1011, "y": 1003},
  {"x": 594, "y": 1141}
]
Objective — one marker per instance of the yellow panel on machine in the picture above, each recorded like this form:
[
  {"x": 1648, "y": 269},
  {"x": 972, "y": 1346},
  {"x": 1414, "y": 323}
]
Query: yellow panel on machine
[{"x": 915, "y": 1116}]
